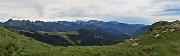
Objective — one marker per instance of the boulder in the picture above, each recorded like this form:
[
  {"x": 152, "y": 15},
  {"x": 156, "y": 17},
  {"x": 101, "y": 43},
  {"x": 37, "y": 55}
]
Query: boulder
[
  {"x": 172, "y": 30},
  {"x": 135, "y": 44},
  {"x": 157, "y": 35}
]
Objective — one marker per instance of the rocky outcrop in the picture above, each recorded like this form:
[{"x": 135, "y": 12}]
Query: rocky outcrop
[{"x": 165, "y": 26}]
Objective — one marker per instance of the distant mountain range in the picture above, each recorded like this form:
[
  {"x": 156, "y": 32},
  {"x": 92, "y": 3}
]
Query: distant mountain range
[
  {"x": 83, "y": 33},
  {"x": 60, "y": 26}
]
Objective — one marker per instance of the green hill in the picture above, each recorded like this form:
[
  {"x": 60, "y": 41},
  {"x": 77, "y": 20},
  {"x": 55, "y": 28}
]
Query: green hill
[
  {"x": 15, "y": 44},
  {"x": 62, "y": 34},
  {"x": 81, "y": 37},
  {"x": 162, "y": 39}
]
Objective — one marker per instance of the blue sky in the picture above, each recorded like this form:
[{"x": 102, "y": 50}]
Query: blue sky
[{"x": 127, "y": 11}]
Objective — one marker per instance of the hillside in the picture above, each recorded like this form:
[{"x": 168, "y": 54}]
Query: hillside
[
  {"x": 140, "y": 31},
  {"x": 81, "y": 37},
  {"x": 162, "y": 39},
  {"x": 1, "y": 24},
  {"x": 12, "y": 44}
]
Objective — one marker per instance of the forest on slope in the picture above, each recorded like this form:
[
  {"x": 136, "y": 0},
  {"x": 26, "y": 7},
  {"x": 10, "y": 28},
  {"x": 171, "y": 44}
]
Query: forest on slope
[{"x": 81, "y": 37}]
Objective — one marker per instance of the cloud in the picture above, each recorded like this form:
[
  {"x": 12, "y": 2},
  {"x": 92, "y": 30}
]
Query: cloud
[
  {"x": 130, "y": 11},
  {"x": 170, "y": 12}
]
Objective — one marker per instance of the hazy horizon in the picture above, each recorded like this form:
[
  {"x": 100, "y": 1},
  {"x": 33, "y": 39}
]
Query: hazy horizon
[
  {"x": 80, "y": 20},
  {"x": 125, "y": 11}
]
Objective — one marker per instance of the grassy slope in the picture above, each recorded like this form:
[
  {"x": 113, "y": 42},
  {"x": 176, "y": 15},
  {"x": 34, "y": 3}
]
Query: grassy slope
[
  {"x": 166, "y": 44},
  {"x": 24, "y": 45},
  {"x": 62, "y": 34}
]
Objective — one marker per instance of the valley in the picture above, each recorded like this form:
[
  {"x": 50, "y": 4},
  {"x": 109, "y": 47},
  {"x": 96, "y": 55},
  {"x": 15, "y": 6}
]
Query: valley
[{"x": 162, "y": 39}]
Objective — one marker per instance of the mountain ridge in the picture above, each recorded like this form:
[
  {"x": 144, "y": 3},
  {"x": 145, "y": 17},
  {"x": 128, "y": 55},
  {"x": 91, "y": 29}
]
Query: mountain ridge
[
  {"x": 60, "y": 26},
  {"x": 162, "y": 39}
]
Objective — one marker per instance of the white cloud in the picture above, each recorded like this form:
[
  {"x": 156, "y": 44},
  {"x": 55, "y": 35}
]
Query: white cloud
[{"x": 127, "y": 10}]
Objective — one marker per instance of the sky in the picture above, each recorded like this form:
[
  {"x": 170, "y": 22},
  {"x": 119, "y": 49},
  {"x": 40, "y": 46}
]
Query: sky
[{"x": 126, "y": 11}]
